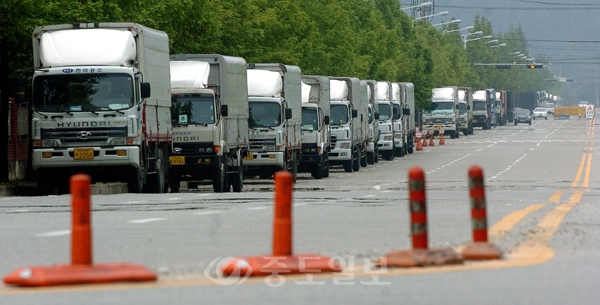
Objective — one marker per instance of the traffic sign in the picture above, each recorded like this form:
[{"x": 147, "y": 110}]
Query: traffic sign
[
  {"x": 418, "y": 135},
  {"x": 589, "y": 112}
]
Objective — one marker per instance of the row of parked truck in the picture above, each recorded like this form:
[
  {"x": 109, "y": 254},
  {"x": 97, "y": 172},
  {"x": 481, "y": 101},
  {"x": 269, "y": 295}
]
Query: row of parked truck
[{"x": 110, "y": 100}]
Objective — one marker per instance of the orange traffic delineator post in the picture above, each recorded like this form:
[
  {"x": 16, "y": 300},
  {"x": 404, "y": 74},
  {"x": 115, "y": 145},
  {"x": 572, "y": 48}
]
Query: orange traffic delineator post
[
  {"x": 431, "y": 143},
  {"x": 81, "y": 270},
  {"x": 419, "y": 143},
  {"x": 442, "y": 141},
  {"x": 420, "y": 254},
  {"x": 480, "y": 249},
  {"x": 282, "y": 261},
  {"x": 425, "y": 140}
]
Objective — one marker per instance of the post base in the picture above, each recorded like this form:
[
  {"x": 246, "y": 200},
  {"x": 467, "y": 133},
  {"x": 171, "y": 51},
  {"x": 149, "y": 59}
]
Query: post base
[
  {"x": 481, "y": 251},
  {"x": 282, "y": 265},
  {"x": 419, "y": 258}
]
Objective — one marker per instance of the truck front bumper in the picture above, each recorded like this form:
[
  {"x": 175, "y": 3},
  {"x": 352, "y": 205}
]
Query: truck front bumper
[
  {"x": 265, "y": 159},
  {"x": 71, "y": 157}
]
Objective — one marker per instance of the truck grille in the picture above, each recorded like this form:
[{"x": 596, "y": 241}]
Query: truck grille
[
  {"x": 260, "y": 143},
  {"x": 86, "y": 136},
  {"x": 333, "y": 141}
]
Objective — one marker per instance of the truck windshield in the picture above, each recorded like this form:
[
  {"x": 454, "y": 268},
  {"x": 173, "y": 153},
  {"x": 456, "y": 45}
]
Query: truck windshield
[
  {"x": 310, "y": 119},
  {"x": 478, "y": 105},
  {"x": 82, "y": 92},
  {"x": 498, "y": 104},
  {"x": 441, "y": 106},
  {"x": 384, "y": 112},
  {"x": 193, "y": 109},
  {"x": 339, "y": 114},
  {"x": 264, "y": 114},
  {"x": 462, "y": 108},
  {"x": 396, "y": 111}
]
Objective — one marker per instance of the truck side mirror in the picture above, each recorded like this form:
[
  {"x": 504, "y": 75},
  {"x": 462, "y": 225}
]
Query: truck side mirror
[
  {"x": 468, "y": 107},
  {"x": 288, "y": 113},
  {"x": 224, "y": 110},
  {"x": 406, "y": 111},
  {"x": 326, "y": 120},
  {"x": 145, "y": 89},
  {"x": 354, "y": 113},
  {"x": 377, "y": 116},
  {"x": 457, "y": 106}
]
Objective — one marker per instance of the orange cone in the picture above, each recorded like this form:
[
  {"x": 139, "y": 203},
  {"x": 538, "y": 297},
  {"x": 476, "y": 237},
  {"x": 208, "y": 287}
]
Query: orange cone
[
  {"x": 480, "y": 249},
  {"x": 420, "y": 255},
  {"x": 425, "y": 144},
  {"x": 419, "y": 143},
  {"x": 282, "y": 261},
  {"x": 81, "y": 270},
  {"x": 442, "y": 141},
  {"x": 431, "y": 143}
]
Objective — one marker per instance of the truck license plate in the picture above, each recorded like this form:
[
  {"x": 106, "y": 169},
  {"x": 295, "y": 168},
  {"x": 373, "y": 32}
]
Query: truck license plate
[
  {"x": 438, "y": 126},
  {"x": 249, "y": 157},
  {"x": 83, "y": 153},
  {"x": 177, "y": 160}
]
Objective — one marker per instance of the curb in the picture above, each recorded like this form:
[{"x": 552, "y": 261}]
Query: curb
[{"x": 97, "y": 189}]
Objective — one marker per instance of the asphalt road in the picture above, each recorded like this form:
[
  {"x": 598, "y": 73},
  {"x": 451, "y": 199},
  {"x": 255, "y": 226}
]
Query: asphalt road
[{"x": 541, "y": 209}]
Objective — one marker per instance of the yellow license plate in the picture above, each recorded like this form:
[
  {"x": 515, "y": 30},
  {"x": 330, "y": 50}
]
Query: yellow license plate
[
  {"x": 249, "y": 157},
  {"x": 177, "y": 160},
  {"x": 438, "y": 126},
  {"x": 83, "y": 153}
]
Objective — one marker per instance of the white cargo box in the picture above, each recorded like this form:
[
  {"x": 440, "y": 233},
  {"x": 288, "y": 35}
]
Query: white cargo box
[
  {"x": 462, "y": 95},
  {"x": 338, "y": 90},
  {"x": 264, "y": 83},
  {"x": 479, "y": 95},
  {"x": 383, "y": 91},
  {"x": 396, "y": 92},
  {"x": 87, "y": 47},
  {"x": 305, "y": 93},
  {"x": 445, "y": 94},
  {"x": 189, "y": 74}
]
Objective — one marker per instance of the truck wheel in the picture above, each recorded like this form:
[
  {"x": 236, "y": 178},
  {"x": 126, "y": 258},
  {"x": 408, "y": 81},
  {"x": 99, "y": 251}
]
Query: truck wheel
[
  {"x": 370, "y": 157},
  {"x": 135, "y": 181},
  {"x": 237, "y": 179},
  {"x": 157, "y": 182},
  {"x": 46, "y": 183},
  {"x": 218, "y": 180},
  {"x": 363, "y": 158},
  {"x": 317, "y": 171},
  {"x": 174, "y": 183},
  {"x": 295, "y": 166},
  {"x": 356, "y": 160},
  {"x": 376, "y": 154},
  {"x": 348, "y": 166},
  {"x": 326, "y": 169}
]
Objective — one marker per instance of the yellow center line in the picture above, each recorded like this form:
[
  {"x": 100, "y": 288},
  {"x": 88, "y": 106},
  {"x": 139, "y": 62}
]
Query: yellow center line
[
  {"x": 579, "y": 171},
  {"x": 588, "y": 169},
  {"x": 510, "y": 221}
]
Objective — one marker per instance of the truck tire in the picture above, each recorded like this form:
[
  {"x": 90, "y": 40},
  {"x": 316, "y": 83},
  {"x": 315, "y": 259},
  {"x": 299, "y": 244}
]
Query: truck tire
[
  {"x": 295, "y": 166},
  {"x": 356, "y": 160},
  {"x": 218, "y": 180},
  {"x": 46, "y": 183},
  {"x": 158, "y": 182},
  {"x": 376, "y": 153},
  {"x": 317, "y": 171},
  {"x": 348, "y": 166},
  {"x": 135, "y": 181},
  {"x": 237, "y": 179},
  {"x": 363, "y": 158},
  {"x": 174, "y": 183},
  {"x": 370, "y": 157},
  {"x": 326, "y": 169}
]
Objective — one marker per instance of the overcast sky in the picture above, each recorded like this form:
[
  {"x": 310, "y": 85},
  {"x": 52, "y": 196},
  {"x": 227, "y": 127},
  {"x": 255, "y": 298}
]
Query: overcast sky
[{"x": 549, "y": 25}]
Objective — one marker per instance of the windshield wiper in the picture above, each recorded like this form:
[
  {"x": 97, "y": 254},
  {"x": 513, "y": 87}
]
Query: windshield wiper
[{"x": 90, "y": 110}]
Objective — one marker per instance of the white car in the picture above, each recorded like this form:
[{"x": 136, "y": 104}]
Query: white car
[{"x": 540, "y": 113}]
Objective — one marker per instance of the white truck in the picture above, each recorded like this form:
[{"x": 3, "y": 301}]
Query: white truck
[
  {"x": 362, "y": 132},
  {"x": 465, "y": 99},
  {"x": 482, "y": 112},
  {"x": 399, "y": 133},
  {"x": 407, "y": 95},
  {"x": 443, "y": 112},
  {"x": 386, "y": 112},
  {"x": 316, "y": 134},
  {"x": 373, "y": 132},
  {"x": 346, "y": 141},
  {"x": 275, "y": 103},
  {"x": 210, "y": 120},
  {"x": 93, "y": 110}
]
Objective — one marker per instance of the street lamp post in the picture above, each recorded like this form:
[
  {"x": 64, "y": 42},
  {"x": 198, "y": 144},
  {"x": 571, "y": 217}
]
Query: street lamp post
[
  {"x": 484, "y": 37},
  {"x": 449, "y": 22},
  {"x": 424, "y": 4},
  {"x": 444, "y": 13},
  {"x": 465, "y": 28},
  {"x": 499, "y": 45}
]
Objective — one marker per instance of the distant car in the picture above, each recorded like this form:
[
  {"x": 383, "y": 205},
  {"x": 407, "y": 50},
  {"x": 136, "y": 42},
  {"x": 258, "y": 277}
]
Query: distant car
[
  {"x": 540, "y": 113},
  {"x": 522, "y": 116}
]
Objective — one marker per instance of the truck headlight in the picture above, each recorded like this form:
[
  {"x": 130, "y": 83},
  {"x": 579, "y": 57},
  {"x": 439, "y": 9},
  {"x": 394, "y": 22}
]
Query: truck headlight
[
  {"x": 387, "y": 138},
  {"x": 345, "y": 145},
  {"x": 45, "y": 143},
  {"x": 118, "y": 141}
]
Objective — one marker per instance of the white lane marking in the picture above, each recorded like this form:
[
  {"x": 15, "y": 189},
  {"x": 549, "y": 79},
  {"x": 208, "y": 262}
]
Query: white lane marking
[
  {"x": 19, "y": 211},
  {"x": 369, "y": 196},
  {"x": 143, "y": 201},
  {"x": 54, "y": 233},
  {"x": 258, "y": 208},
  {"x": 147, "y": 220},
  {"x": 377, "y": 187},
  {"x": 203, "y": 195},
  {"x": 175, "y": 198},
  {"x": 208, "y": 212},
  {"x": 299, "y": 204}
]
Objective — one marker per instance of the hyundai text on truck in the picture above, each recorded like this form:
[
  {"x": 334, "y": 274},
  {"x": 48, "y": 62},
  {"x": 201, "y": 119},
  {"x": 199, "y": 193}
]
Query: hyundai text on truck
[
  {"x": 387, "y": 149},
  {"x": 482, "y": 115},
  {"x": 443, "y": 112},
  {"x": 210, "y": 120},
  {"x": 465, "y": 99},
  {"x": 373, "y": 132},
  {"x": 316, "y": 134},
  {"x": 275, "y": 105},
  {"x": 345, "y": 140},
  {"x": 101, "y": 105}
]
